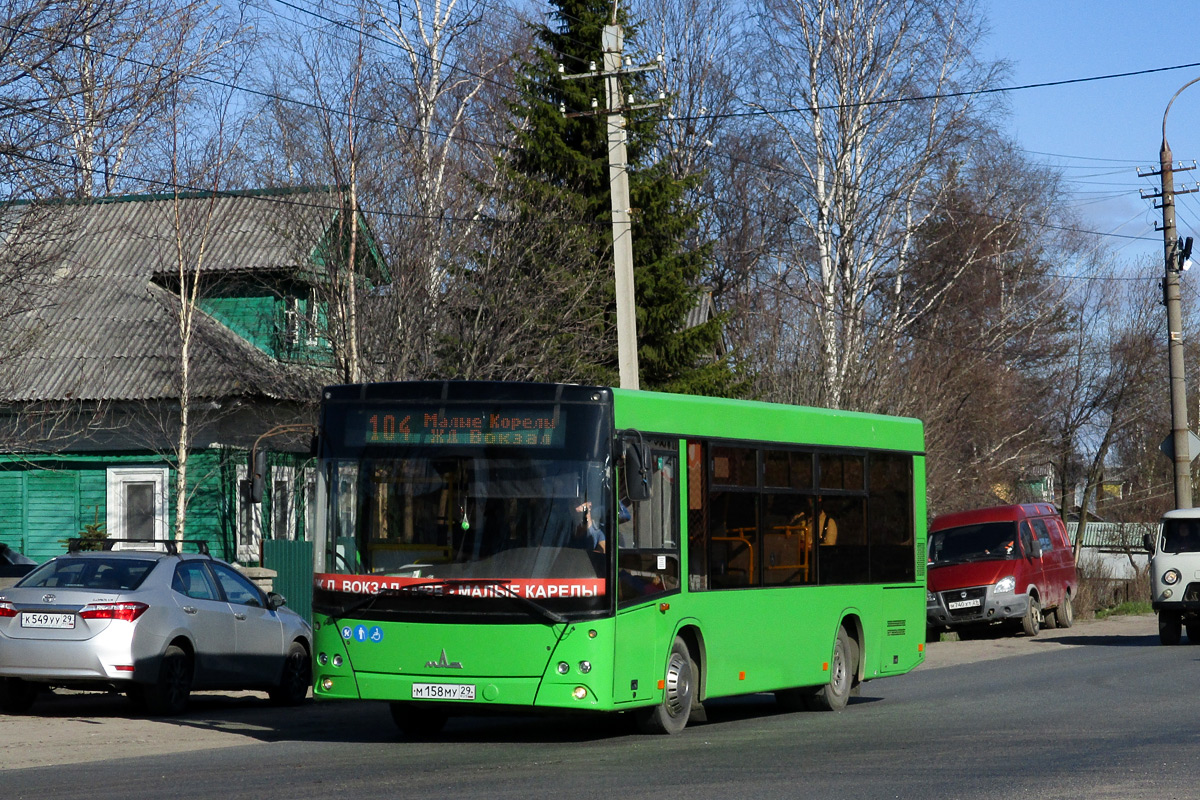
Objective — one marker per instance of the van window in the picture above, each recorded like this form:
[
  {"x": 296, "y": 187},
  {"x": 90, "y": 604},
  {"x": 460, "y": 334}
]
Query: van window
[
  {"x": 984, "y": 541},
  {"x": 1181, "y": 536},
  {"x": 1026, "y": 538},
  {"x": 1043, "y": 535}
]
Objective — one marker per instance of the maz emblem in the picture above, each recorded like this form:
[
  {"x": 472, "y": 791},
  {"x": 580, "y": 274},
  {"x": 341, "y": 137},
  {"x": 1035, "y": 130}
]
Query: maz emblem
[{"x": 443, "y": 663}]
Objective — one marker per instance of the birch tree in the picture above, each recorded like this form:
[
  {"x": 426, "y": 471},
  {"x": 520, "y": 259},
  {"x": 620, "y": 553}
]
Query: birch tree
[{"x": 862, "y": 95}]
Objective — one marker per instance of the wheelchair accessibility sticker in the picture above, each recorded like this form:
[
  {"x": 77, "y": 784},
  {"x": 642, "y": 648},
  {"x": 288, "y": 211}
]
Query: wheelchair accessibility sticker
[{"x": 362, "y": 633}]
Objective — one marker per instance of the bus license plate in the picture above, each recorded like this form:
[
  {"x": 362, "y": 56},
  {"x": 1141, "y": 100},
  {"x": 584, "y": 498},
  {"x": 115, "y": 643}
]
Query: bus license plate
[
  {"x": 957, "y": 604},
  {"x": 35, "y": 619},
  {"x": 443, "y": 691}
]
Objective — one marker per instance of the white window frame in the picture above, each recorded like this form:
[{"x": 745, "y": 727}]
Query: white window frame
[
  {"x": 287, "y": 476},
  {"x": 117, "y": 478},
  {"x": 247, "y": 551}
]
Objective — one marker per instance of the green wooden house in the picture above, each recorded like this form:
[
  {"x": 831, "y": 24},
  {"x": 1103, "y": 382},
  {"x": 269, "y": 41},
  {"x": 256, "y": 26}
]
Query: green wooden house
[{"x": 90, "y": 365}]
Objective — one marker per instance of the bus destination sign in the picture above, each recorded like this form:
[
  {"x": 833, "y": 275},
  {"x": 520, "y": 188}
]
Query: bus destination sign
[{"x": 523, "y": 427}]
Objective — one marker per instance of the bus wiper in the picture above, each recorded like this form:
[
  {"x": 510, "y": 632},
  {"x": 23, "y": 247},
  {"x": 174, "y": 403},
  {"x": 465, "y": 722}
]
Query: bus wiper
[
  {"x": 358, "y": 605},
  {"x": 549, "y": 614}
]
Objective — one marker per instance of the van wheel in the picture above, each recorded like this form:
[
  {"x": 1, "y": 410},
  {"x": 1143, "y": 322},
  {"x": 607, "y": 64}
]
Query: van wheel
[
  {"x": 679, "y": 691},
  {"x": 1064, "y": 615},
  {"x": 1170, "y": 629},
  {"x": 834, "y": 695},
  {"x": 1031, "y": 623}
]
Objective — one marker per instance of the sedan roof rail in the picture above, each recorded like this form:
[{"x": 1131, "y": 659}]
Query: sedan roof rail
[{"x": 79, "y": 544}]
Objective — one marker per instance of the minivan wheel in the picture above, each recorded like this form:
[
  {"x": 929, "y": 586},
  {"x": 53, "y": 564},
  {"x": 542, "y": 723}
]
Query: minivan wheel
[
  {"x": 1031, "y": 623},
  {"x": 1170, "y": 629},
  {"x": 1065, "y": 614}
]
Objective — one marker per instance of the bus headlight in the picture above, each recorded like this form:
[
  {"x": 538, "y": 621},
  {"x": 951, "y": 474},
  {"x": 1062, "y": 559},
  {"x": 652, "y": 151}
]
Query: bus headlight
[
  {"x": 1170, "y": 577},
  {"x": 1006, "y": 584},
  {"x": 563, "y": 668}
]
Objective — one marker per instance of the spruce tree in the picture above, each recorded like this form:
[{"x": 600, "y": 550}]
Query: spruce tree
[{"x": 565, "y": 158}]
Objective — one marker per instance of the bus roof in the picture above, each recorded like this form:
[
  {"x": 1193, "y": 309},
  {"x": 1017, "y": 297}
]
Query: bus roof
[{"x": 692, "y": 415}]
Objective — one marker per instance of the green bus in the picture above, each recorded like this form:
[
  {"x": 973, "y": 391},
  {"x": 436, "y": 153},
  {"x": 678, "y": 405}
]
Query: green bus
[{"x": 553, "y": 548}]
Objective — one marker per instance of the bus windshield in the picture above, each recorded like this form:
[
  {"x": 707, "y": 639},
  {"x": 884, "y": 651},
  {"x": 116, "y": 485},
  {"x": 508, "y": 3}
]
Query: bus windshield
[{"x": 471, "y": 527}]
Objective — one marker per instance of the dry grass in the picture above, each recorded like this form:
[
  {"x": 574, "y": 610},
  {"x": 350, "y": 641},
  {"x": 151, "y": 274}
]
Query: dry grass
[{"x": 1100, "y": 590}]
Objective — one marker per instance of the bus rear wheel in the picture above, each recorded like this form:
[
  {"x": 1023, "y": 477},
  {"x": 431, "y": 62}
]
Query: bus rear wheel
[
  {"x": 834, "y": 695},
  {"x": 679, "y": 691},
  {"x": 417, "y": 720}
]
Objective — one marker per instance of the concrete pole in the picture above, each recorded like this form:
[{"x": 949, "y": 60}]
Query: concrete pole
[
  {"x": 1182, "y": 456},
  {"x": 1179, "y": 416},
  {"x": 622, "y": 226}
]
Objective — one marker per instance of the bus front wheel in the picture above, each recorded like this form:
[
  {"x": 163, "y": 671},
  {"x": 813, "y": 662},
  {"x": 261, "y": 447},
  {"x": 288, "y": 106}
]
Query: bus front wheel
[{"x": 679, "y": 690}]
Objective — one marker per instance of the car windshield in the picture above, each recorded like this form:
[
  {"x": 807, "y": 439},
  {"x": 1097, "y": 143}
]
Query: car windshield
[
  {"x": 1181, "y": 536},
  {"x": 984, "y": 541},
  {"x": 99, "y": 572}
]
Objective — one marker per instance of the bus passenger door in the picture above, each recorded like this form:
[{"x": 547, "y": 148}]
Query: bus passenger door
[{"x": 648, "y": 579}]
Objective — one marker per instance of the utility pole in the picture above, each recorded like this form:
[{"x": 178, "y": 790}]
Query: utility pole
[
  {"x": 612, "y": 43},
  {"x": 1180, "y": 446}
]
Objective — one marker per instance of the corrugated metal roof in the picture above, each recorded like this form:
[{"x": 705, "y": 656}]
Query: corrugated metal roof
[
  {"x": 98, "y": 328},
  {"x": 1118, "y": 536}
]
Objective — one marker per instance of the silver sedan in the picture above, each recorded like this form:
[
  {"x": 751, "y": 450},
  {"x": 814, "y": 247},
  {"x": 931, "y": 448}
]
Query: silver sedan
[{"x": 153, "y": 624}]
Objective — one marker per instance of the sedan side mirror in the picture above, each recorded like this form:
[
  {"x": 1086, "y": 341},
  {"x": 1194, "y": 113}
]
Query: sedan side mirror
[{"x": 275, "y": 601}]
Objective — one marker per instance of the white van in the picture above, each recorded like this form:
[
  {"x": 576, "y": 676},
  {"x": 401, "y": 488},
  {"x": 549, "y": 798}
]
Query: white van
[{"x": 1175, "y": 575}]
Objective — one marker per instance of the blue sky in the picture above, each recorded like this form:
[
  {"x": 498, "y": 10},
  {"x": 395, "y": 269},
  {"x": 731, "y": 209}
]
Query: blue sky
[{"x": 1097, "y": 133}]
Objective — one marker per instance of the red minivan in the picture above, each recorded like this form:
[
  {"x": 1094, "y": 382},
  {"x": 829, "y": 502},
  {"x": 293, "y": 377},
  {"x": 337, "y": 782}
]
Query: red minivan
[{"x": 1008, "y": 565}]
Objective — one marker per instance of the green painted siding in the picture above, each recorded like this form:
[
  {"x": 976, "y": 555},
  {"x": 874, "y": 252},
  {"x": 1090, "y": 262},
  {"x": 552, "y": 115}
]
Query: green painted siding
[
  {"x": 12, "y": 511},
  {"x": 253, "y": 318},
  {"x": 52, "y": 512}
]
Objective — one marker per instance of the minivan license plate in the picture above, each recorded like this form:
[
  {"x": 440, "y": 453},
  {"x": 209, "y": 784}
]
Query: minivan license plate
[
  {"x": 37, "y": 619},
  {"x": 957, "y": 604},
  {"x": 443, "y": 691}
]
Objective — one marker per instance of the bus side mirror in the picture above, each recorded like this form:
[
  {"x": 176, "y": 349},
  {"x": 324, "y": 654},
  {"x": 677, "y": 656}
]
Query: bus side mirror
[
  {"x": 637, "y": 471},
  {"x": 258, "y": 474},
  {"x": 1148, "y": 543}
]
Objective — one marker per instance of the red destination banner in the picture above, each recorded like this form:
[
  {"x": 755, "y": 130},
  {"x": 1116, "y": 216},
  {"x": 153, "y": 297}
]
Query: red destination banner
[{"x": 531, "y": 588}]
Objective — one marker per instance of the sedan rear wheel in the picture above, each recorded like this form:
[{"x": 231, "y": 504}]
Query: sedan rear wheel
[
  {"x": 16, "y": 695},
  {"x": 170, "y": 694}
]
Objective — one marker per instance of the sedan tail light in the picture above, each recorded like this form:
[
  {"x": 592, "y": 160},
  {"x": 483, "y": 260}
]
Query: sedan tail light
[
  {"x": 7, "y": 609},
  {"x": 123, "y": 611}
]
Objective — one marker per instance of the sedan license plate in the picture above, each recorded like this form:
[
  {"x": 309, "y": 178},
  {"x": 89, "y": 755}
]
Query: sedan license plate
[
  {"x": 443, "y": 691},
  {"x": 38, "y": 619},
  {"x": 957, "y": 604}
]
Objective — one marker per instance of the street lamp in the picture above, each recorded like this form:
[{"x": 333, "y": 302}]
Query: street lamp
[{"x": 1180, "y": 450}]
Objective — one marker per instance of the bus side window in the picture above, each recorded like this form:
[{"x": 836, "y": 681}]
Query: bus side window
[
  {"x": 697, "y": 493},
  {"x": 648, "y": 541}
]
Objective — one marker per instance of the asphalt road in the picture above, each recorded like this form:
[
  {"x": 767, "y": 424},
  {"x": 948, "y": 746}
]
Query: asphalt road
[{"x": 1097, "y": 711}]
